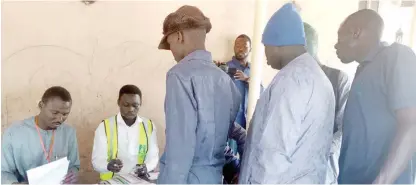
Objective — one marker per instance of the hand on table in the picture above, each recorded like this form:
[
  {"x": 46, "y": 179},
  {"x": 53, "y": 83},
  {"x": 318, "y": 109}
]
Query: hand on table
[
  {"x": 115, "y": 165},
  {"x": 141, "y": 170}
]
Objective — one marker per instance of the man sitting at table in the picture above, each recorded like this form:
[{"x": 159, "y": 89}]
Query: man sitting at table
[
  {"x": 41, "y": 139},
  {"x": 127, "y": 140}
]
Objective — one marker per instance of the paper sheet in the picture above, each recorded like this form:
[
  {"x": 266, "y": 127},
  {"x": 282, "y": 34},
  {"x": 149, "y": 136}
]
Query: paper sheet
[{"x": 51, "y": 173}]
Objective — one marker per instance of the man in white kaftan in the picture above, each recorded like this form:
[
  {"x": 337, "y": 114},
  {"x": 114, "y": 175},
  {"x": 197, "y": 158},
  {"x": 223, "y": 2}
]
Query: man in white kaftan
[{"x": 290, "y": 134}]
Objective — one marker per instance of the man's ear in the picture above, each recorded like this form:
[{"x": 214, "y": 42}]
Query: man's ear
[
  {"x": 41, "y": 104},
  {"x": 180, "y": 36},
  {"x": 356, "y": 33}
]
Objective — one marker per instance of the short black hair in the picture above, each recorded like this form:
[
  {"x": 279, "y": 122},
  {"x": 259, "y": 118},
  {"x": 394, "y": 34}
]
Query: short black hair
[
  {"x": 56, "y": 91},
  {"x": 244, "y": 36},
  {"x": 130, "y": 89}
]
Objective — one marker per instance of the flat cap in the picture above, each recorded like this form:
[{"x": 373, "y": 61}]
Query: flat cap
[{"x": 186, "y": 17}]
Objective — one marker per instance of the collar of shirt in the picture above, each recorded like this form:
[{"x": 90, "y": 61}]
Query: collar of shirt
[
  {"x": 122, "y": 123},
  {"x": 305, "y": 56},
  {"x": 200, "y": 55},
  {"x": 370, "y": 57},
  {"x": 238, "y": 64},
  {"x": 306, "y": 59},
  {"x": 374, "y": 52}
]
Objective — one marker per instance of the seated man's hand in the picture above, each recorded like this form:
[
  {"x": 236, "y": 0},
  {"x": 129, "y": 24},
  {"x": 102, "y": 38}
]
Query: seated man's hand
[
  {"x": 141, "y": 170},
  {"x": 115, "y": 165},
  {"x": 70, "y": 178}
]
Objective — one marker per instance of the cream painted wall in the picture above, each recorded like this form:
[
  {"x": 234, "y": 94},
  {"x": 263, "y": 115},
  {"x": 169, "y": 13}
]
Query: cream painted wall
[{"x": 94, "y": 50}]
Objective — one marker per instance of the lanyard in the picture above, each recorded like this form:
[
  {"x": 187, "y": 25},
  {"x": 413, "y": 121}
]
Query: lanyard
[{"x": 47, "y": 155}]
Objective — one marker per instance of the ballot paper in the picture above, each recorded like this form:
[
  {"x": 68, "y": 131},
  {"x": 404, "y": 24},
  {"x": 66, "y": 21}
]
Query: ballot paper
[{"x": 51, "y": 173}]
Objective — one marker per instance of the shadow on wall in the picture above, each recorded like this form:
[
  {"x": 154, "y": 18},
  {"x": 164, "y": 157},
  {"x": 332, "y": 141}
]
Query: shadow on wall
[{"x": 230, "y": 52}]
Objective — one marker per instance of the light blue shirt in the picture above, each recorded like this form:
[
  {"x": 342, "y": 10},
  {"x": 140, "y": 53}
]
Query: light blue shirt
[
  {"x": 200, "y": 107},
  {"x": 384, "y": 83},
  {"x": 21, "y": 149},
  {"x": 290, "y": 135},
  {"x": 243, "y": 88}
]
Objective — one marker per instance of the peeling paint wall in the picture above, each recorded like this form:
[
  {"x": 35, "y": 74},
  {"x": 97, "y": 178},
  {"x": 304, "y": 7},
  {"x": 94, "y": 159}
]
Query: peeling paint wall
[{"x": 94, "y": 50}]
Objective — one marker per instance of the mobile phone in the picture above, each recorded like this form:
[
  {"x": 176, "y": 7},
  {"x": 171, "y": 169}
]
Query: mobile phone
[{"x": 232, "y": 71}]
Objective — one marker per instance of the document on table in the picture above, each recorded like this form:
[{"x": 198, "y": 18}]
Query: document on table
[{"x": 51, "y": 173}]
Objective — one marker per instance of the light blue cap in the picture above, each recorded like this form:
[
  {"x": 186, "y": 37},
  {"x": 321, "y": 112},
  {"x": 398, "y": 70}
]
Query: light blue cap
[{"x": 285, "y": 28}]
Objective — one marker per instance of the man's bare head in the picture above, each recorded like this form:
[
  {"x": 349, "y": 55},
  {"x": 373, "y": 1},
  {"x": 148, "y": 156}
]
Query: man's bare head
[{"x": 358, "y": 34}]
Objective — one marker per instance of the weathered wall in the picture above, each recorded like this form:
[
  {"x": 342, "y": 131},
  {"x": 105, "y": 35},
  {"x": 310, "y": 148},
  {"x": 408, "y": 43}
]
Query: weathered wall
[{"x": 94, "y": 50}]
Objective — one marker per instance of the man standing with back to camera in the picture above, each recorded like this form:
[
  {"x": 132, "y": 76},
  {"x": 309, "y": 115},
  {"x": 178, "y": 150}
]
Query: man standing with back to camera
[
  {"x": 290, "y": 134},
  {"x": 201, "y": 103}
]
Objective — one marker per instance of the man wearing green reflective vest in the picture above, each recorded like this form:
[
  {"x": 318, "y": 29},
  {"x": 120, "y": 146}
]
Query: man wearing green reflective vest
[{"x": 123, "y": 141}]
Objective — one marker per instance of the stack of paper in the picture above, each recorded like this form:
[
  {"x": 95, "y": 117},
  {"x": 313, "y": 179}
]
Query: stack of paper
[{"x": 51, "y": 173}]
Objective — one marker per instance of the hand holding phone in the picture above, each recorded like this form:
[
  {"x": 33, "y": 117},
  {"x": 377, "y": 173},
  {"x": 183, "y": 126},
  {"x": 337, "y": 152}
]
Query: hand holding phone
[
  {"x": 232, "y": 71},
  {"x": 239, "y": 75}
]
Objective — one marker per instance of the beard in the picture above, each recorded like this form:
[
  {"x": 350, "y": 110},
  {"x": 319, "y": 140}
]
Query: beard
[{"x": 240, "y": 56}]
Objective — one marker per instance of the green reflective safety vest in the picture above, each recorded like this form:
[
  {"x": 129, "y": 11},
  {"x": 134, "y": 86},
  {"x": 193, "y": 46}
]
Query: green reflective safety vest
[{"x": 110, "y": 126}]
